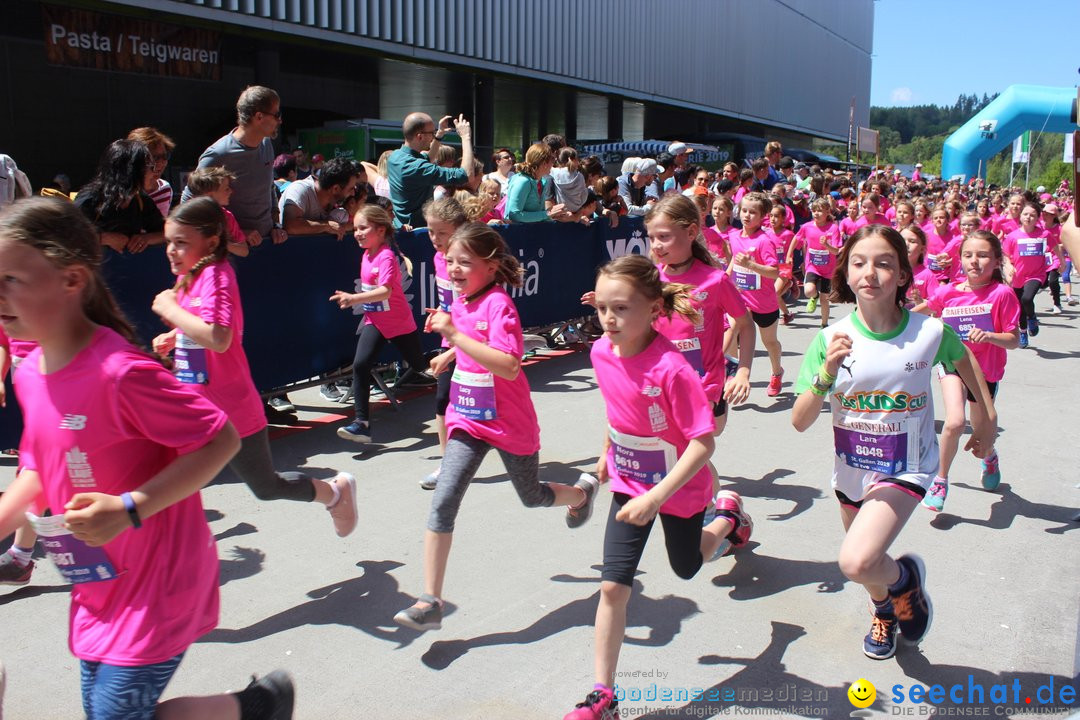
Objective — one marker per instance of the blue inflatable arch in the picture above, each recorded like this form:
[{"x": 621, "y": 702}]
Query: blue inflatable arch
[{"x": 1018, "y": 108}]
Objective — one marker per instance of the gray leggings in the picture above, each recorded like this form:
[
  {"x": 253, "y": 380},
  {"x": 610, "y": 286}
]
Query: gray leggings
[
  {"x": 255, "y": 467},
  {"x": 463, "y": 456}
]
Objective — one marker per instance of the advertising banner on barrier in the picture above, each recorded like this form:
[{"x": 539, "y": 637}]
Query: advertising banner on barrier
[{"x": 292, "y": 331}]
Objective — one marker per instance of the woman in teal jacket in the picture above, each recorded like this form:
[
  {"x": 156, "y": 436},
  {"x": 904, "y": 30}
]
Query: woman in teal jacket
[{"x": 525, "y": 190}]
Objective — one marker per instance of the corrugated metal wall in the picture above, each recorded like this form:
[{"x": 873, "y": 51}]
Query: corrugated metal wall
[{"x": 795, "y": 63}]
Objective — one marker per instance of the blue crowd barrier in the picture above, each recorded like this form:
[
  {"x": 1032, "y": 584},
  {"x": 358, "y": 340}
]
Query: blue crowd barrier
[{"x": 293, "y": 332}]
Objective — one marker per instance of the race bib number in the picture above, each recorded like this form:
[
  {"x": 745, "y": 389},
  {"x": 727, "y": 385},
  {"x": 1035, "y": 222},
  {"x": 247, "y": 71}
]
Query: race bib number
[
  {"x": 1050, "y": 258},
  {"x": 189, "y": 359},
  {"x": 746, "y": 279},
  {"x": 819, "y": 258},
  {"x": 473, "y": 395},
  {"x": 641, "y": 459},
  {"x": 691, "y": 350},
  {"x": 933, "y": 264},
  {"x": 381, "y": 306},
  {"x": 966, "y": 318},
  {"x": 1031, "y": 247},
  {"x": 888, "y": 448},
  {"x": 76, "y": 561},
  {"x": 444, "y": 290}
]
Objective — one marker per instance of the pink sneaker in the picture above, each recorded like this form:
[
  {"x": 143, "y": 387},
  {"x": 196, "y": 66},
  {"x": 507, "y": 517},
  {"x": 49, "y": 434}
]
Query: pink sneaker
[
  {"x": 600, "y": 704},
  {"x": 775, "y": 382},
  {"x": 729, "y": 501}
]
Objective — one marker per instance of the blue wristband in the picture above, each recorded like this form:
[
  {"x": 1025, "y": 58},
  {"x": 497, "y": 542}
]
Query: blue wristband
[{"x": 129, "y": 505}]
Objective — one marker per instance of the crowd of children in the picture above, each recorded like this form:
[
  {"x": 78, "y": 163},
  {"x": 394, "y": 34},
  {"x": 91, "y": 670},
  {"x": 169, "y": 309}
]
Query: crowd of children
[{"x": 935, "y": 288}]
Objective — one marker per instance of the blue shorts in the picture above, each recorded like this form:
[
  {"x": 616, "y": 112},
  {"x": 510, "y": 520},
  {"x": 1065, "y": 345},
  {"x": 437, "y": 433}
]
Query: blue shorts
[{"x": 112, "y": 692}]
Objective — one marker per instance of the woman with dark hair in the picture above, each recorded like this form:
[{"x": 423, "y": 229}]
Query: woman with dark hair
[
  {"x": 115, "y": 202},
  {"x": 503, "y": 160}
]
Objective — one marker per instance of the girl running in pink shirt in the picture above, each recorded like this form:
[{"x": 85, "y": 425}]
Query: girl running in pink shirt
[
  {"x": 489, "y": 406},
  {"x": 942, "y": 246},
  {"x": 821, "y": 239},
  {"x": 118, "y": 449},
  {"x": 848, "y": 224},
  {"x": 387, "y": 314},
  {"x": 905, "y": 215},
  {"x": 659, "y": 439},
  {"x": 207, "y": 321},
  {"x": 1025, "y": 250},
  {"x": 443, "y": 218},
  {"x": 754, "y": 269},
  {"x": 778, "y": 226},
  {"x": 985, "y": 314},
  {"x": 716, "y": 237},
  {"x": 923, "y": 281}
]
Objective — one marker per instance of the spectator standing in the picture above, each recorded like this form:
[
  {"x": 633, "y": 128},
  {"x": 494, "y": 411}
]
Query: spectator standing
[
  {"x": 160, "y": 147},
  {"x": 248, "y": 154},
  {"x": 773, "y": 152},
  {"x": 412, "y": 176},
  {"x": 13, "y": 182},
  {"x": 503, "y": 159}
]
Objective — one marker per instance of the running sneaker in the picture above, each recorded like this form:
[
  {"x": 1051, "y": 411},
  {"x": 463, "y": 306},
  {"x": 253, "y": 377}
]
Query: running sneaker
[
  {"x": 1072, "y": 301},
  {"x": 331, "y": 392},
  {"x": 729, "y": 505},
  {"x": 788, "y": 317},
  {"x": 991, "y": 473},
  {"x": 578, "y": 516},
  {"x": 912, "y": 606},
  {"x": 880, "y": 642},
  {"x": 811, "y": 304},
  {"x": 431, "y": 479},
  {"x": 1033, "y": 326},
  {"x": 418, "y": 618},
  {"x": 1054, "y": 310},
  {"x": 12, "y": 573},
  {"x": 1023, "y": 339},
  {"x": 775, "y": 383},
  {"x": 731, "y": 366},
  {"x": 935, "y": 497},
  {"x": 356, "y": 431},
  {"x": 600, "y": 704},
  {"x": 270, "y": 697},
  {"x": 281, "y": 404},
  {"x": 343, "y": 512}
]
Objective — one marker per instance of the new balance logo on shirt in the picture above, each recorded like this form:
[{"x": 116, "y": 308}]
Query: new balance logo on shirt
[{"x": 73, "y": 422}]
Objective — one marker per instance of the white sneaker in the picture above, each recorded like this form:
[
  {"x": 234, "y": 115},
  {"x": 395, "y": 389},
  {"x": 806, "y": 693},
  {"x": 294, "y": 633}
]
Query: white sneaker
[
  {"x": 1054, "y": 310},
  {"x": 344, "y": 512},
  {"x": 431, "y": 480}
]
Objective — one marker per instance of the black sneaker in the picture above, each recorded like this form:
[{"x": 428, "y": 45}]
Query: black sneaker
[
  {"x": 281, "y": 404},
  {"x": 412, "y": 378},
  {"x": 270, "y": 697},
  {"x": 912, "y": 606},
  {"x": 880, "y": 642}
]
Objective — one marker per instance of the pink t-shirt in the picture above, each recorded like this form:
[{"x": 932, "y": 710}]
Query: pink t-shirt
[
  {"x": 890, "y": 214},
  {"x": 444, "y": 289},
  {"x": 782, "y": 241},
  {"x": 935, "y": 245},
  {"x": 702, "y": 345},
  {"x": 923, "y": 281},
  {"x": 236, "y": 233},
  {"x": 715, "y": 239},
  {"x": 848, "y": 227},
  {"x": 816, "y": 240},
  {"x": 222, "y": 378},
  {"x": 1053, "y": 238},
  {"x": 993, "y": 308},
  {"x": 17, "y": 349},
  {"x": 1006, "y": 225},
  {"x": 757, "y": 290},
  {"x": 107, "y": 422},
  {"x": 477, "y": 394},
  {"x": 864, "y": 220},
  {"x": 655, "y": 406},
  {"x": 1028, "y": 254},
  {"x": 986, "y": 223},
  {"x": 392, "y": 316}
]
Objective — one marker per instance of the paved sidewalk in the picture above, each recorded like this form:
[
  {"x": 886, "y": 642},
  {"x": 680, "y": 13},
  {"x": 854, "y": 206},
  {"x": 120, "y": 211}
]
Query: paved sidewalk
[{"x": 774, "y": 631}]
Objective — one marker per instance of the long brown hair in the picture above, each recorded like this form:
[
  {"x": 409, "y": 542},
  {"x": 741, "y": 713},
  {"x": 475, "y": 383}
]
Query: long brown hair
[
  {"x": 995, "y": 247},
  {"x": 375, "y": 215},
  {"x": 641, "y": 274},
  {"x": 58, "y": 230},
  {"x": 483, "y": 242},
  {"x": 682, "y": 211},
  {"x": 842, "y": 292},
  {"x": 205, "y": 216}
]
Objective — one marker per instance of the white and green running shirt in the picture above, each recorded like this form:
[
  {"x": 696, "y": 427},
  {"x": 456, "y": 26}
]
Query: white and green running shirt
[{"x": 882, "y": 402}]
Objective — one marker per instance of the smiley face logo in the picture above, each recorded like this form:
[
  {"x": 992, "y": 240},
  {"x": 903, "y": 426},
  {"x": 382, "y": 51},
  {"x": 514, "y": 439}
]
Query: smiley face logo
[{"x": 862, "y": 693}]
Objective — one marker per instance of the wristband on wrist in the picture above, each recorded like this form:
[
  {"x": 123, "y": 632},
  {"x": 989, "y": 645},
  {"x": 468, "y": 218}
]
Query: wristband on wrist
[
  {"x": 826, "y": 377},
  {"x": 133, "y": 513}
]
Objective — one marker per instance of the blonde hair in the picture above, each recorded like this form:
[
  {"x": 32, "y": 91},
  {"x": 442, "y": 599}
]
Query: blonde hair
[
  {"x": 642, "y": 274},
  {"x": 208, "y": 179},
  {"x": 535, "y": 156},
  {"x": 448, "y": 209}
]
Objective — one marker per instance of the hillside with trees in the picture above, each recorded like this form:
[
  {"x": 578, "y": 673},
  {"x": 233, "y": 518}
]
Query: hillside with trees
[{"x": 917, "y": 134}]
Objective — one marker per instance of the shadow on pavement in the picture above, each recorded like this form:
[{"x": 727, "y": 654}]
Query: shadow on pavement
[
  {"x": 1008, "y": 507},
  {"x": 754, "y": 576}
]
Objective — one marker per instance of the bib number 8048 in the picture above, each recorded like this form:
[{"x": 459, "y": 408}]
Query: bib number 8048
[{"x": 869, "y": 451}]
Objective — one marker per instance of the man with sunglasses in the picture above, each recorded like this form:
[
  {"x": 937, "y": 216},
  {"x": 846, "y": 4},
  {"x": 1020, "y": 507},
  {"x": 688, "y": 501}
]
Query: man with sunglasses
[
  {"x": 413, "y": 176},
  {"x": 249, "y": 155}
]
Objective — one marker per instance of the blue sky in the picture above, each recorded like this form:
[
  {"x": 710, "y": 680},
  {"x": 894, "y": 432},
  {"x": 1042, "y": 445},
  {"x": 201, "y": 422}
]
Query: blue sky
[{"x": 927, "y": 52}]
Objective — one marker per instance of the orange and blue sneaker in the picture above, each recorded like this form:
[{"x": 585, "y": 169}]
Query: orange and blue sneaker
[
  {"x": 912, "y": 606},
  {"x": 880, "y": 642},
  {"x": 600, "y": 704}
]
